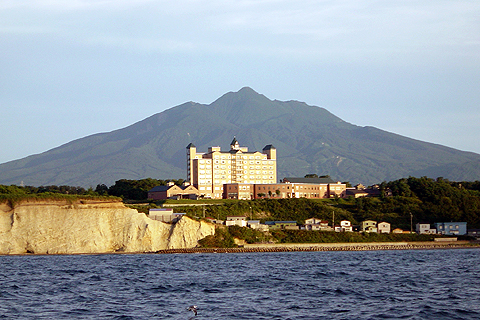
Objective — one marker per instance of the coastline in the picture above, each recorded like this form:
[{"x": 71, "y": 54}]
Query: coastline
[{"x": 291, "y": 247}]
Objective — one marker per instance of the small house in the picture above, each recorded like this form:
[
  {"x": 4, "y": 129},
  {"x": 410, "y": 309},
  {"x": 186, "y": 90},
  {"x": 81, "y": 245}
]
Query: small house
[
  {"x": 346, "y": 226},
  {"x": 424, "y": 228},
  {"x": 240, "y": 221},
  {"x": 368, "y": 226},
  {"x": 383, "y": 227},
  {"x": 172, "y": 191}
]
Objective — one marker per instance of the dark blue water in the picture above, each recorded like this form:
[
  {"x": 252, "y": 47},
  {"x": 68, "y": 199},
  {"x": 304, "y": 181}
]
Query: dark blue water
[{"x": 434, "y": 284}]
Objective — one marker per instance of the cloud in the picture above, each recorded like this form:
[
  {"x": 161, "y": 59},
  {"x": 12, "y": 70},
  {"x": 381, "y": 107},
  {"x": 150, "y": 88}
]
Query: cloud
[
  {"x": 61, "y": 5},
  {"x": 317, "y": 29}
]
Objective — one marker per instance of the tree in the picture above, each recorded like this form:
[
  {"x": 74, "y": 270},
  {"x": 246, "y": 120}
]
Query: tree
[{"x": 101, "y": 189}]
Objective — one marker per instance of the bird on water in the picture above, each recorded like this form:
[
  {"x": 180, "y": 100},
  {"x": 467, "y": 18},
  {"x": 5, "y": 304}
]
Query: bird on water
[{"x": 194, "y": 309}]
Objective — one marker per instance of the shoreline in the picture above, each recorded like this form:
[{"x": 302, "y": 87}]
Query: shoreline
[{"x": 294, "y": 247}]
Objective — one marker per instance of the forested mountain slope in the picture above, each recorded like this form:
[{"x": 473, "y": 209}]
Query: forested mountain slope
[{"x": 308, "y": 139}]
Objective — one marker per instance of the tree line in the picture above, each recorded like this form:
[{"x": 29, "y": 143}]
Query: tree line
[
  {"x": 125, "y": 189},
  {"x": 422, "y": 199}
]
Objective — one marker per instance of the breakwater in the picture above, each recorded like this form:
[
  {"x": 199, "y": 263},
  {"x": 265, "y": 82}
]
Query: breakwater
[{"x": 291, "y": 247}]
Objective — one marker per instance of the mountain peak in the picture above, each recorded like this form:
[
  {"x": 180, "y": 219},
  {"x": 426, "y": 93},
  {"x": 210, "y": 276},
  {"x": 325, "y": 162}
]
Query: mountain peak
[
  {"x": 309, "y": 139},
  {"x": 244, "y": 94},
  {"x": 247, "y": 90}
]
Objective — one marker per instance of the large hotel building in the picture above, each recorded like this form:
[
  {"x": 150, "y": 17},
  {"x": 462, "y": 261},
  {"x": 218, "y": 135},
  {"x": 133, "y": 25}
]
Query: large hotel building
[{"x": 210, "y": 171}]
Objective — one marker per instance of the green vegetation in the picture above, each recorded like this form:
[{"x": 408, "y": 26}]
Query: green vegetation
[
  {"x": 15, "y": 194},
  {"x": 303, "y": 236},
  {"x": 133, "y": 189},
  {"x": 420, "y": 199},
  {"x": 221, "y": 239}
]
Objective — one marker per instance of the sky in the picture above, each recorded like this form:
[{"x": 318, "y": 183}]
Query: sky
[{"x": 69, "y": 69}]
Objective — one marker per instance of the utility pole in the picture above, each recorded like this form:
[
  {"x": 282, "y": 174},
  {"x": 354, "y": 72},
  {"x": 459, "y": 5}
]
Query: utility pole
[
  {"x": 411, "y": 222},
  {"x": 333, "y": 220}
]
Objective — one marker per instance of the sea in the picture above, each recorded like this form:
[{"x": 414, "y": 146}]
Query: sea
[{"x": 397, "y": 284}]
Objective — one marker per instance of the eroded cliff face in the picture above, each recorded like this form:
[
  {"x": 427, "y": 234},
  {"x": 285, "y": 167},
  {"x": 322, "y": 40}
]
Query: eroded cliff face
[{"x": 91, "y": 227}]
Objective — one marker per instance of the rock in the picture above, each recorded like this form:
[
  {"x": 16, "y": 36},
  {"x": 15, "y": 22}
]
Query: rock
[{"x": 59, "y": 227}]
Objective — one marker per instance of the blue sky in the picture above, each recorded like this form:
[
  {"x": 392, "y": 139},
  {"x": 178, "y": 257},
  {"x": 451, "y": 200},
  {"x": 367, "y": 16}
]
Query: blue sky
[{"x": 73, "y": 68}]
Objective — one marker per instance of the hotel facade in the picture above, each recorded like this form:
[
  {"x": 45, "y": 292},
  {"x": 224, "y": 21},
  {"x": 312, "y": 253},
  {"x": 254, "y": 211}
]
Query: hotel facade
[
  {"x": 210, "y": 171},
  {"x": 240, "y": 174}
]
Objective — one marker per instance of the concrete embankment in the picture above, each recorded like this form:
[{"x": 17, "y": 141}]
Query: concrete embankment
[{"x": 287, "y": 247}]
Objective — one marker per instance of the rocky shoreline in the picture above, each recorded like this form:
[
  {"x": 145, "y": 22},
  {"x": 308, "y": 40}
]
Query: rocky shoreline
[{"x": 252, "y": 248}]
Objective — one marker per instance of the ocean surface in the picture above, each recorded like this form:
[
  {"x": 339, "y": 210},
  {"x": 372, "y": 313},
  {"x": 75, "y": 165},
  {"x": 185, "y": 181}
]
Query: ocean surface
[{"x": 416, "y": 284}]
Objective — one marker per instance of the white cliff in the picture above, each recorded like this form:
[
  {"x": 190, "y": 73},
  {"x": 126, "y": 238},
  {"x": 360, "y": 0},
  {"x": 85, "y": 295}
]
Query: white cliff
[{"x": 57, "y": 227}]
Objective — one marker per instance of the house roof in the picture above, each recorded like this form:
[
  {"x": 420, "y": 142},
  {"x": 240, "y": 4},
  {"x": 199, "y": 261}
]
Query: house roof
[
  {"x": 309, "y": 180},
  {"x": 159, "y": 188}
]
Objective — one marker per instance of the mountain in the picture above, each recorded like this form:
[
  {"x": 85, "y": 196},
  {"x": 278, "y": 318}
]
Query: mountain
[{"x": 308, "y": 139}]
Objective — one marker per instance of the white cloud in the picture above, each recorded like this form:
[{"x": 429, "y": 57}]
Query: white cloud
[
  {"x": 329, "y": 29},
  {"x": 62, "y": 5}
]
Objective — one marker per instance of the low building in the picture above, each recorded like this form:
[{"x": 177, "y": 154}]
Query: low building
[
  {"x": 241, "y": 191},
  {"x": 474, "y": 233},
  {"x": 314, "y": 221},
  {"x": 424, "y": 228},
  {"x": 240, "y": 221},
  {"x": 451, "y": 228},
  {"x": 360, "y": 191},
  {"x": 368, "y": 226},
  {"x": 273, "y": 190},
  {"x": 315, "y": 224},
  {"x": 278, "y": 225},
  {"x": 215, "y": 221},
  {"x": 397, "y": 230},
  {"x": 172, "y": 191},
  {"x": 352, "y": 192},
  {"x": 383, "y": 227},
  {"x": 255, "y": 224},
  {"x": 316, "y": 187},
  {"x": 164, "y": 215},
  {"x": 346, "y": 226}
]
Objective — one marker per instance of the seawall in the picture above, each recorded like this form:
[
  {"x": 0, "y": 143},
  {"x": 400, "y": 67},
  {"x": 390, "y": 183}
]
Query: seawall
[{"x": 61, "y": 227}]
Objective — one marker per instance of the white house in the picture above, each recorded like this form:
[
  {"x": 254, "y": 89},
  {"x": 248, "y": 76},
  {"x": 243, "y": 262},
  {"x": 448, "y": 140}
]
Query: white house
[
  {"x": 383, "y": 227},
  {"x": 313, "y": 221},
  {"x": 346, "y": 226},
  {"x": 255, "y": 224},
  {"x": 240, "y": 221},
  {"x": 424, "y": 228},
  {"x": 317, "y": 225},
  {"x": 368, "y": 226}
]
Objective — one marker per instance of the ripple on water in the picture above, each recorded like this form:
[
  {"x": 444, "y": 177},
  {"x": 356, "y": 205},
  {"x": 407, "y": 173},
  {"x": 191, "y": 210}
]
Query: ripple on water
[{"x": 438, "y": 284}]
